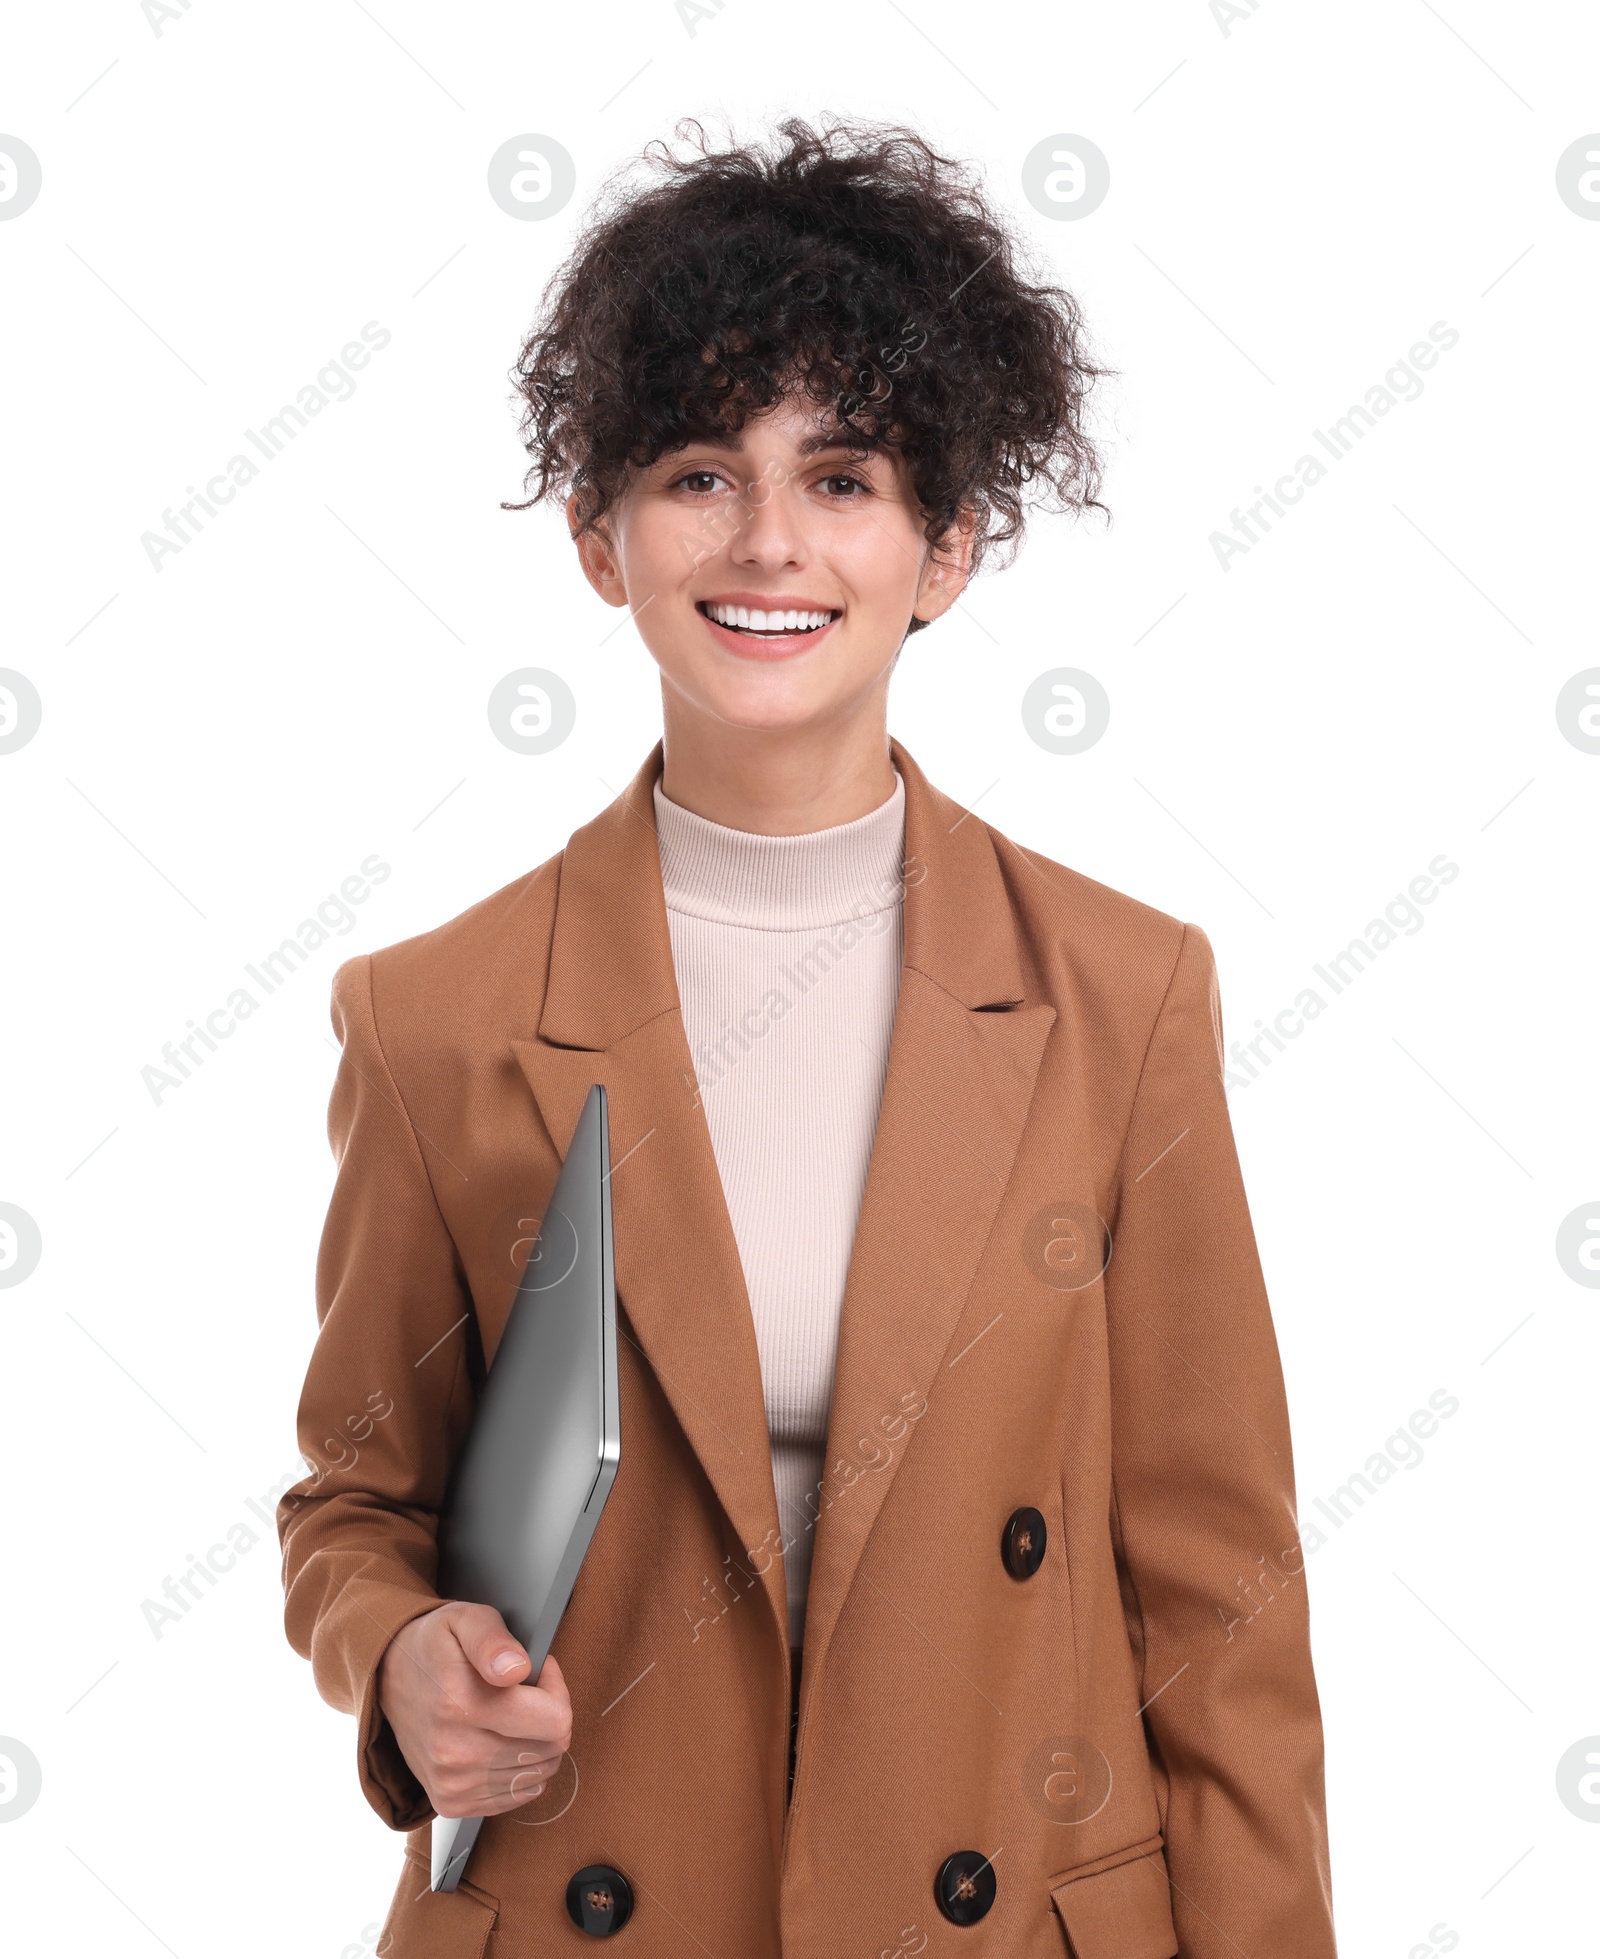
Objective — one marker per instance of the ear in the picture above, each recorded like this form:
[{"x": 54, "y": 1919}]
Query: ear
[
  {"x": 944, "y": 576},
  {"x": 597, "y": 555}
]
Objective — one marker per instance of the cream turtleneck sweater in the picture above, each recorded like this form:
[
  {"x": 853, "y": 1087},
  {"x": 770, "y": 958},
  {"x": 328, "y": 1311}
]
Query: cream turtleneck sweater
[{"x": 787, "y": 952}]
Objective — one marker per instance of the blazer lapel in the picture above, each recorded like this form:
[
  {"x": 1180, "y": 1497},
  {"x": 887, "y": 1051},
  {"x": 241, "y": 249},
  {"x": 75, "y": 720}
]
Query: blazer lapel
[
  {"x": 612, "y": 1015},
  {"x": 964, "y": 1053},
  {"x": 963, "y": 1057}
]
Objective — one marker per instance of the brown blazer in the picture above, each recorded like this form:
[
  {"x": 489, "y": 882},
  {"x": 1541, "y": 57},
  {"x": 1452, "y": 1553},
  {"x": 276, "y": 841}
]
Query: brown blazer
[{"x": 1128, "y": 1733}]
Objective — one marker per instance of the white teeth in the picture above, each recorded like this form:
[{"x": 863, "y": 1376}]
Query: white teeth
[{"x": 758, "y": 621}]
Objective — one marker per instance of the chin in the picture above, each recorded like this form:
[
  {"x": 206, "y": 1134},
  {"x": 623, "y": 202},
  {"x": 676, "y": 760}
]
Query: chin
[
  {"x": 769, "y": 716},
  {"x": 758, "y": 700}
]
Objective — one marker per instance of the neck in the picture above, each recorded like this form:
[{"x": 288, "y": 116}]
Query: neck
[{"x": 777, "y": 781}]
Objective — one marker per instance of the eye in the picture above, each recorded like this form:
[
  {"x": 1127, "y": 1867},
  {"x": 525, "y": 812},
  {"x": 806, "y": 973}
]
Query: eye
[
  {"x": 844, "y": 476},
  {"x": 704, "y": 476}
]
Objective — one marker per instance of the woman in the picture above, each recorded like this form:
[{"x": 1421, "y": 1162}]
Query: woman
[{"x": 952, "y": 1413}]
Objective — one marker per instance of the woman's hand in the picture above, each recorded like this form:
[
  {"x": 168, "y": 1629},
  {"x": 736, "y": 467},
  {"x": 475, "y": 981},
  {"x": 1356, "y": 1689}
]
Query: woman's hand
[{"x": 478, "y": 1738}]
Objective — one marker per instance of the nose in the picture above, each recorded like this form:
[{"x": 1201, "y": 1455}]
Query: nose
[{"x": 770, "y": 532}]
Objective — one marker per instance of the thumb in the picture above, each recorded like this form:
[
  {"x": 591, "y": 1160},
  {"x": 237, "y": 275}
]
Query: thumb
[{"x": 495, "y": 1656}]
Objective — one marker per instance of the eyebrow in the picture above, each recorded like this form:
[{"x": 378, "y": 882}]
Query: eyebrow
[
  {"x": 833, "y": 439},
  {"x": 810, "y": 445}
]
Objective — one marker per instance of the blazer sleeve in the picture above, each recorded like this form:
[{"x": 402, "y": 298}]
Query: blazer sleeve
[
  {"x": 1203, "y": 1510},
  {"x": 383, "y": 1406}
]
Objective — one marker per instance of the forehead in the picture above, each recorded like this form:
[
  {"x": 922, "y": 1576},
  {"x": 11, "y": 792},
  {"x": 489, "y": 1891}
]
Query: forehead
[{"x": 793, "y": 425}]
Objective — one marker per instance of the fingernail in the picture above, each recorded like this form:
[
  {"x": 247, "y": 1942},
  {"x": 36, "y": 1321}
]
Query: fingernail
[{"x": 506, "y": 1662}]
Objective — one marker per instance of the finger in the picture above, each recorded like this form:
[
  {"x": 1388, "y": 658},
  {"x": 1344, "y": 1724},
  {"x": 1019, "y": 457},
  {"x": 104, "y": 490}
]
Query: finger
[
  {"x": 503, "y": 1770},
  {"x": 498, "y": 1803},
  {"x": 490, "y": 1650},
  {"x": 526, "y": 1714},
  {"x": 498, "y": 1789},
  {"x": 526, "y": 1778}
]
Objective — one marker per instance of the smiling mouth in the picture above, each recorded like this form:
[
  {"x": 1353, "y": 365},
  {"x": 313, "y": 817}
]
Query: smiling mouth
[{"x": 756, "y": 624}]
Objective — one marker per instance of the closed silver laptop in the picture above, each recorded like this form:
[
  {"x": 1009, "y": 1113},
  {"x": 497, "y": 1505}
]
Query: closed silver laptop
[{"x": 542, "y": 1454}]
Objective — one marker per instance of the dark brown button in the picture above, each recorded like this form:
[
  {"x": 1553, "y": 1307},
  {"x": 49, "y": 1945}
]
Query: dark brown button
[
  {"x": 965, "y": 1886},
  {"x": 599, "y": 1900},
  {"x": 1022, "y": 1542}
]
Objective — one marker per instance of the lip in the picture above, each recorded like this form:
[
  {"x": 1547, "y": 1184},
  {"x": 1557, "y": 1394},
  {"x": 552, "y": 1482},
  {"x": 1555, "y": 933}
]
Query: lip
[{"x": 781, "y": 645}]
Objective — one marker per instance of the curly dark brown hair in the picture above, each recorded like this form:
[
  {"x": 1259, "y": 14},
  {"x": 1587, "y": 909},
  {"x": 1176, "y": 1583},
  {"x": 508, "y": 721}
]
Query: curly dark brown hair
[{"x": 851, "y": 262}]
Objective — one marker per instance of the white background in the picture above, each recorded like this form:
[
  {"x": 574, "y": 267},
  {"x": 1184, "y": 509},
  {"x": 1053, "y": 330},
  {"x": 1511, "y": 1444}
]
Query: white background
[{"x": 1293, "y": 203}]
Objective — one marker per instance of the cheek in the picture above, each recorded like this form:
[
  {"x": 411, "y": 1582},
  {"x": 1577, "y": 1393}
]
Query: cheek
[
  {"x": 878, "y": 558},
  {"x": 660, "y": 545}
]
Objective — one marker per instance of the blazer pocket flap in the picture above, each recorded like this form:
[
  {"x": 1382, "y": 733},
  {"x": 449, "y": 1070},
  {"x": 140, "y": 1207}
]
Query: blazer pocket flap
[
  {"x": 1120, "y": 1909},
  {"x": 428, "y": 1924}
]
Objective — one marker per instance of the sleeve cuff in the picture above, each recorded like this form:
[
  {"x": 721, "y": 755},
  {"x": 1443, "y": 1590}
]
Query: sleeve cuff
[{"x": 372, "y": 1615}]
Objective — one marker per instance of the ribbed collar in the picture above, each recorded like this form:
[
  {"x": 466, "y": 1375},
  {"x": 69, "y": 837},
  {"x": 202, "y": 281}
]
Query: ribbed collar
[{"x": 820, "y": 877}]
